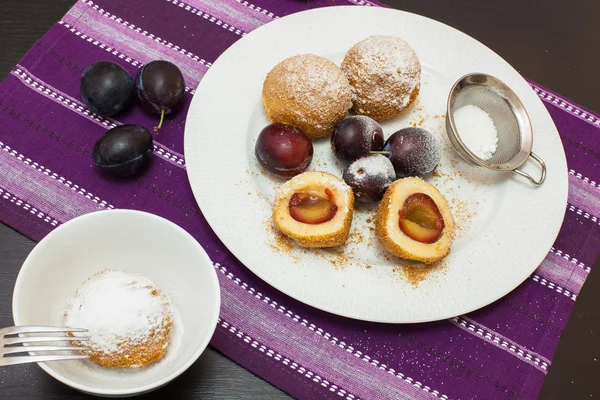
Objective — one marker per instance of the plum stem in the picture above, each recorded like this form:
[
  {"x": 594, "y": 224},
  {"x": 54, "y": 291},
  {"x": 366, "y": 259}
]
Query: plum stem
[
  {"x": 162, "y": 118},
  {"x": 385, "y": 153}
]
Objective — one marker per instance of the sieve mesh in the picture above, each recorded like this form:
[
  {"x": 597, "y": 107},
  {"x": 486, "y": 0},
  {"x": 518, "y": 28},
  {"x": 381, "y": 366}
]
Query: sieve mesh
[{"x": 507, "y": 126}]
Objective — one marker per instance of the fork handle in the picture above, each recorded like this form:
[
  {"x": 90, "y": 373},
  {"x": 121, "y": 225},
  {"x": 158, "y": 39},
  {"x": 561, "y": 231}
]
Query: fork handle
[{"x": 5, "y": 361}]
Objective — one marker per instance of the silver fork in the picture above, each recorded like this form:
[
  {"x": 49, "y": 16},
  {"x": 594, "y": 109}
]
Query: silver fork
[{"x": 12, "y": 344}]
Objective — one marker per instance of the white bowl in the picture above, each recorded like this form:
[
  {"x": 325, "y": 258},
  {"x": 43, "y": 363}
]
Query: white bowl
[{"x": 132, "y": 241}]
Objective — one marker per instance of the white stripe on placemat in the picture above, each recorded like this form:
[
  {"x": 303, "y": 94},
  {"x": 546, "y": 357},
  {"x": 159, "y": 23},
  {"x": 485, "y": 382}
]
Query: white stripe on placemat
[
  {"x": 584, "y": 178},
  {"x": 207, "y": 17},
  {"x": 110, "y": 50},
  {"x": 361, "y": 3},
  {"x": 286, "y": 361},
  {"x": 573, "y": 260},
  {"x": 502, "y": 342},
  {"x": 566, "y": 106},
  {"x": 258, "y": 9},
  {"x": 583, "y": 213},
  {"x": 6, "y": 195},
  {"x": 561, "y": 275},
  {"x": 552, "y": 286},
  {"x": 60, "y": 179},
  {"x": 152, "y": 36}
]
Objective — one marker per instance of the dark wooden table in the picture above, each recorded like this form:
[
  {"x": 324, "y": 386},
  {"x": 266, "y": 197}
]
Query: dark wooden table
[{"x": 555, "y": 46}]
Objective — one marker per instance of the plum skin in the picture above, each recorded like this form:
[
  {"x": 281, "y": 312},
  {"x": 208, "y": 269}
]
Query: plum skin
[
  {"x": 283, "y": 150},
  {"x": 368, "y": 184},
  {"x": 106, "y": 88},
  {"x": 160, "y": 87},
  {"x": 124, "y": 151},
  {"x": 413, "y": 152},
  {"x": 356, "y": 136}
]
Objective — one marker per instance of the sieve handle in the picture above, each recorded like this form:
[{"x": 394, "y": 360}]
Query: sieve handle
[{"x": 526, "y": 175}]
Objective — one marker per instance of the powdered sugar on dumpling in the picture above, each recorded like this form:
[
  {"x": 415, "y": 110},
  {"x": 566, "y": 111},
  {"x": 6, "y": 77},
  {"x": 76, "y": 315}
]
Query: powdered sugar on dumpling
[{"x": 385, "y": 75}]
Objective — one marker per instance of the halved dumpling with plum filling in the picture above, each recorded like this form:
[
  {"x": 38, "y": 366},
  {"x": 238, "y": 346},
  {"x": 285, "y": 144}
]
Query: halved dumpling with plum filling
[
  {"x": 315, "y": 209},
  {"x": 414, "y": 221}
]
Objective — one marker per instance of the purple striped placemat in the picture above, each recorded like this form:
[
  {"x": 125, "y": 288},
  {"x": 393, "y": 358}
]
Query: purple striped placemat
[{"x": 47, "y": 178}]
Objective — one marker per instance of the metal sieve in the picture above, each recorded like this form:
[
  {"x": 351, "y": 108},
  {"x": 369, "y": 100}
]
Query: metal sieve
[{"x": 513, "y": 126}]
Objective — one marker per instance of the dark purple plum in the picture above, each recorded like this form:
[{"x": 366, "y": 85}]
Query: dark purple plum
[
  {"x": 283, "y": 150},
  {"x": 160, "y": 87},
  {"x": 106, "y": 88},
  {"x": 356, "y": 136},
  {"x": 124, "y": 151},
  {"x": 413, "y": 152},
  {"x": 369, "y": 177}
]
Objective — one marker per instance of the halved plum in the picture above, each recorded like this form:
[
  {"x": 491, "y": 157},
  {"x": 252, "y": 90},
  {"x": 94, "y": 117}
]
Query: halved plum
[
  {"x": 312, "y": 206},
  {"x": 420, "y": 218}
]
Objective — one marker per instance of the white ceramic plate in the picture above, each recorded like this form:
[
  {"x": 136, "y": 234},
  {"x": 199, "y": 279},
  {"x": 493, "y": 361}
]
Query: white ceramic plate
[{"x": 507, "y": 225}]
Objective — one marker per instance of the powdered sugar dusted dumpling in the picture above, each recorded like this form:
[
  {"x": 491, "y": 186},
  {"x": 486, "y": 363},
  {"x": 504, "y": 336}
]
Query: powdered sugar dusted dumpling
[
  {"x": 309, "y": 92},
  {"x": 314, "y": 209},
  {"x": 414, "y": 221},
  {"x": 385, "y": 75},
  {"x": 127, "y": 317}
]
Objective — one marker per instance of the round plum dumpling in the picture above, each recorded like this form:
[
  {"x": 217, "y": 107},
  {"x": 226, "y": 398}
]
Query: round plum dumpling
[
  {"x": 414, "y": 221},
  {"x": 309, "y": 92},
  {"x": 314, "y": 209},
  {"x": 385, "y": 75}
]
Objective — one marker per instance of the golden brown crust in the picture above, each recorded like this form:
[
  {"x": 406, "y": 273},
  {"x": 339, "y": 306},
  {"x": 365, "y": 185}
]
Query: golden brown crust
[
  {"x": 410, "y": 249},
  {"x": 135, "y": 355},
  {"x": 385, "y": 75},
  {"x": 315, "y": 236},
  {"x": 309, "y": 92}
]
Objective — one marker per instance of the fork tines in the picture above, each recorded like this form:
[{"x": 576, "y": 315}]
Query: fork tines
[{"x": 12, "y": 344}]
